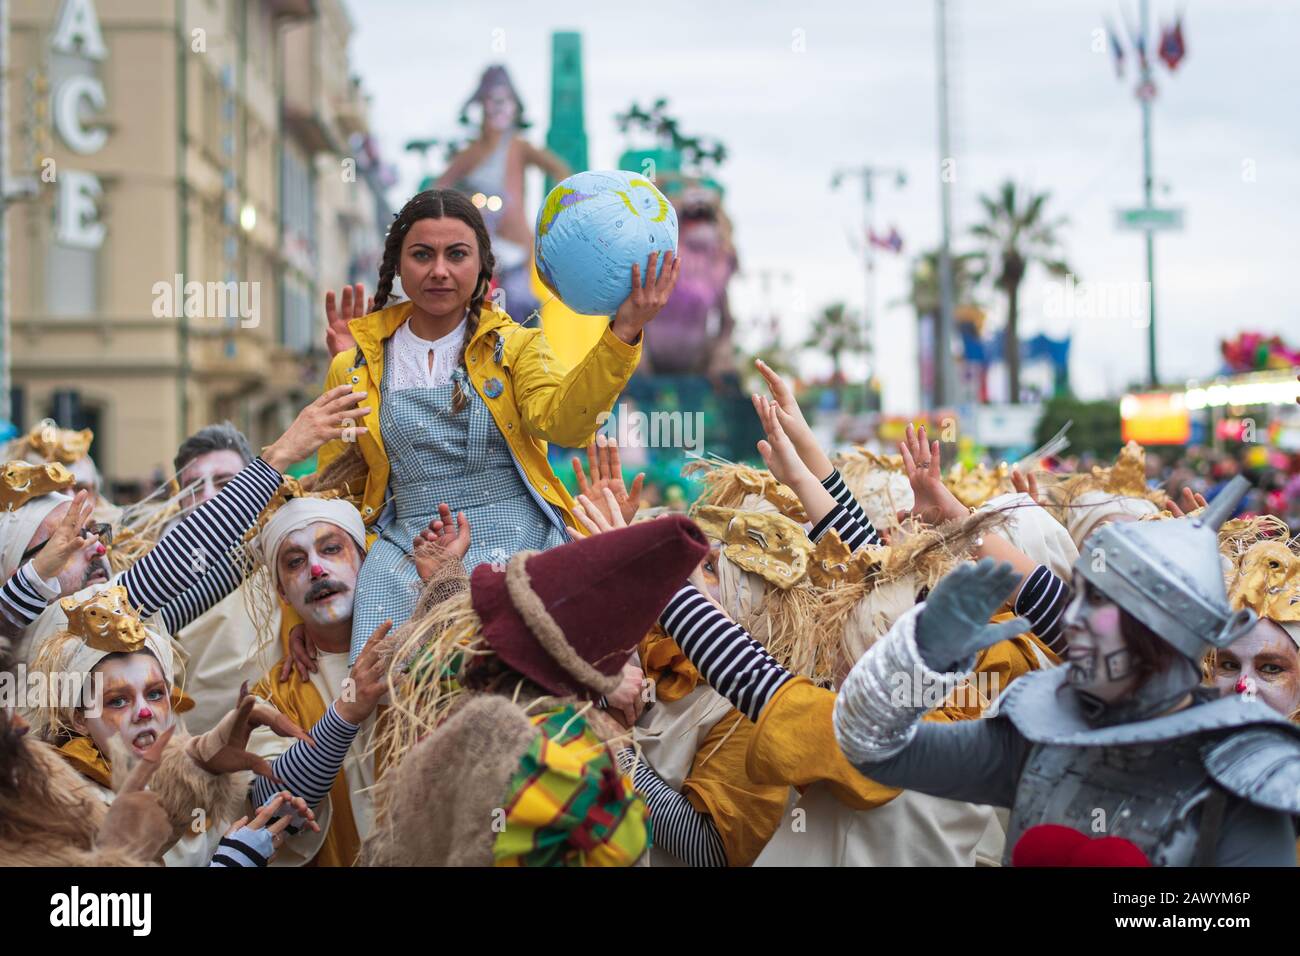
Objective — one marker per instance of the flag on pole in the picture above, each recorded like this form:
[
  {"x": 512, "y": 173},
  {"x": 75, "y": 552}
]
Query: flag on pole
[
  {"x": 893, "y": 241},
  {"x": 1172, "y": 47}
]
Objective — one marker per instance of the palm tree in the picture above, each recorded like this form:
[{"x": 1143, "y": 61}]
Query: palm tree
[
  {"x": 923, "y": 294},
  {"x": 837, "y": 332},
  {"x": 1015, "y": 235}
]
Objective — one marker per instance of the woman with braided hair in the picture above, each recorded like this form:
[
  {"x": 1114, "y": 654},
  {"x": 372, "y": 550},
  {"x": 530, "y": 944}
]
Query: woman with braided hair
[{"x": 463, "y": 400}]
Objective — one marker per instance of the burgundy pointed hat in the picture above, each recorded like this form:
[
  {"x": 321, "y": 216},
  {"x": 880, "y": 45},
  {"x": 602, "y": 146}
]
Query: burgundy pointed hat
[{"x": 567, "y": 618}]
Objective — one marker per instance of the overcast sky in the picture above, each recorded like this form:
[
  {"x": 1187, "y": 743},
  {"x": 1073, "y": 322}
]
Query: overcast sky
[{"x": 1031, "y": 100}]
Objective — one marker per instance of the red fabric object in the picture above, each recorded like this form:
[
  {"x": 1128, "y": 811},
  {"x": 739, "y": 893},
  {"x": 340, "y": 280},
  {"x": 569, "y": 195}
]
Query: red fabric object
[
  {"x": 1050, "y": 844},
  {"x": 605, "y": 592}
]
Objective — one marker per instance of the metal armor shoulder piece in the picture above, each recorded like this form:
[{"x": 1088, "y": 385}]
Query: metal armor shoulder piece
[{"x": 1261, "y": 765}]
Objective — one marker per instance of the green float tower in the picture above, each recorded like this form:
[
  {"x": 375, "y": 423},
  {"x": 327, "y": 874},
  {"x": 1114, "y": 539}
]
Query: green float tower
[{"x": 567, "y": 137}]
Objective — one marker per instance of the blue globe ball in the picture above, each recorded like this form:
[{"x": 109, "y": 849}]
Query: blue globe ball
[{"x": 592, "y": 228}]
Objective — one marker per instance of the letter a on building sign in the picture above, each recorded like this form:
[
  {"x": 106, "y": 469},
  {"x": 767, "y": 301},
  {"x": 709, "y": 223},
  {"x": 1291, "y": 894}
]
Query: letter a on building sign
[{"x": 77, "y": 31}]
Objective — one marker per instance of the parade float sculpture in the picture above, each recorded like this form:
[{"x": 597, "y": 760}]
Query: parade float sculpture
[{"x": 490, "y": 169}]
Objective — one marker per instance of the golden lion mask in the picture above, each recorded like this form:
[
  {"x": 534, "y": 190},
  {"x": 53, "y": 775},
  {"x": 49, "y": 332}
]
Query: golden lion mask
[
  {"x": 21, "y": 482},
  {"x": 106, "y": 621}
]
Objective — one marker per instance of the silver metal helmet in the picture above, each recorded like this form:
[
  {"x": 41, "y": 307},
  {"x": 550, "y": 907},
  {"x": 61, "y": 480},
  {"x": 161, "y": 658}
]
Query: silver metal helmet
[{"x": 1168, "y": 575}]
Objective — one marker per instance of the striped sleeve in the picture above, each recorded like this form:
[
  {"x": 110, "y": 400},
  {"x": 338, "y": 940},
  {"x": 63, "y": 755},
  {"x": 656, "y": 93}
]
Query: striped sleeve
[
  {"x": 847, "y": 517},
  {"x": 245, "y": 847},
  {"x": 190, "y": 551},
  {"x": 679, "y": 828},
  {"x": 735, "y": 665},
  {"x": 307, "y": 771},
  {"x": 24, "y": 596},
  {"x": 1042, "y": 601}
]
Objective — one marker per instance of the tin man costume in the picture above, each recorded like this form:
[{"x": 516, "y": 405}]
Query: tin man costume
[{"x": 1177, "y": 774}]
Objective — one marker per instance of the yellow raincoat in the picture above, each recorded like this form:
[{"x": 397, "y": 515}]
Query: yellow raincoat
[{"x": 540, "y": 400}]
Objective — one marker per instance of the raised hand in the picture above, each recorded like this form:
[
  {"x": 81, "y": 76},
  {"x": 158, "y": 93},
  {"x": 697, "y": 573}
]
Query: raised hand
[
  {"x": 1191, "y": 501},
  {"x": 954, "y": 624},
  {"x": 221, "y": 749},
  {"x": 933, "y": 503},
  {"x": 607, "y": 472},
  {"x": 444, "y": 541},
  {"x": 333, "y": 416},
  {"x": 778, "y": 451},
  {"x": 792, "y": 420},
  {"x": 1026, "y": 484},
  {"x": 648, "y": 296},
  {"x": 597, "y": 519},
  {"x": 67, "y": 538},
  {"x": 338, "y": 337},
  {"x": 369, "y": 680}
]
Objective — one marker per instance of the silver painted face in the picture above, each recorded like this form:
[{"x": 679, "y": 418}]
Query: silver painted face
[{"x": 1098, "y": 656}]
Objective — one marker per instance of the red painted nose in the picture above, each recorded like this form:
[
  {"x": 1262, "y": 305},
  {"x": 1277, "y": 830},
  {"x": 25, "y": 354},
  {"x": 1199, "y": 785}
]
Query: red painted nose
[
  {"x": 145, "y": 713},
  {"x": 317, "y": 570},
  {"x": 1243, "y": 685}
]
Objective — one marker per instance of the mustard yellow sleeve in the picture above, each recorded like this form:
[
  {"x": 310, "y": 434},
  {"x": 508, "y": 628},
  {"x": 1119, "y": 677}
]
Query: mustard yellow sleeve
[
  {"x": 745, "y": 814},
  {"x": 794, "y": 744},
  {"x": 561, "y": 405}
]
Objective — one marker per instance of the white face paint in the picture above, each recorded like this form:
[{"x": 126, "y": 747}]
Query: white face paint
[
  {"x": 211, "y": 471},
  {"x": 318, "y": 567},
  {"x": 136, "y": 702},
  {"x": 1098, "y": 656}
]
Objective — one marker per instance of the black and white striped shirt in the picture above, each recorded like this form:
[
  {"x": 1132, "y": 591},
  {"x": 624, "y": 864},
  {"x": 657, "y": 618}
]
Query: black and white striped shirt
[
  {"x": 308, "y": 771},
  {"x": 735, "y": 665},
  {"x": 24, "y": 596},
  {"x": 847, "y": 517},
  {"x": 187, "y": 572},
  {"x": 1042, "y": 601},
  {"x": 678, "y": 827},
  {"x": 189, "y": 569}
]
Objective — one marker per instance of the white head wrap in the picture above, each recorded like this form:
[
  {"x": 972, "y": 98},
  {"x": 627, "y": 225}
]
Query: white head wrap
[
  {"x": 299, "y": 513},
  {"x": 882, "y": 492},
  {"x": 1034, "y": 531},
  {"x": 1089, "y": 509},
  {"x": 18, "y": 526}
]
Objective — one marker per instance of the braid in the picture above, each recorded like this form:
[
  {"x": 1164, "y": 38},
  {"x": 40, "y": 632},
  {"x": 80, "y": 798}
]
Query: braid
[{"x": 435, "y": 204}]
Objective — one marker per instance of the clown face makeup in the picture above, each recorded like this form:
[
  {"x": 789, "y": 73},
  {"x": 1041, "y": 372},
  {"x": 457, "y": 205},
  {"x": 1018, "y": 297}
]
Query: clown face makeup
[
  {"x": 135, "y": 704},
  {"x": 317, "y": 568},
  {"x": 1100, "y": 663},
  {"x": 211, "y": 472},
  {"x": 1263, "y": 663}
]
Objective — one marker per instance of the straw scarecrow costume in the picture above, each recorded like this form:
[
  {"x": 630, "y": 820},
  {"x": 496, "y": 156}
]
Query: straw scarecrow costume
[
  {"x": 815, "y": 609},
  {"x": 47, "y": 443},
  {"x": 1087, "y": 501},
  {"x": 199, "y": 803},
  {"x": 501, "y": 759}
]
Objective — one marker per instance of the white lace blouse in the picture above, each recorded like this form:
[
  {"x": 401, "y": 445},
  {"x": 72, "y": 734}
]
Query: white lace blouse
[{"x": 410, "y": 358}]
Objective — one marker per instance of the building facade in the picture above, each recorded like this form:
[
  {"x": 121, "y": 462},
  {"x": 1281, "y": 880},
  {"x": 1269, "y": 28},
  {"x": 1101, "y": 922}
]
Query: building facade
[{"x": 205, "y": 173}]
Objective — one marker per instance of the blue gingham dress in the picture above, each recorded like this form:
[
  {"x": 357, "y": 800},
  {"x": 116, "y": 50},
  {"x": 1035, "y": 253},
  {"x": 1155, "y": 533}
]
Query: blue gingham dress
[{"x": 436, "y": 455}]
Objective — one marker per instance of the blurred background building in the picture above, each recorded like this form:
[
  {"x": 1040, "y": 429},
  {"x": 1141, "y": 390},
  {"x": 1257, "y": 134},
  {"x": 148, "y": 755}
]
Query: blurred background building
[{"x": 205, "y": 172}]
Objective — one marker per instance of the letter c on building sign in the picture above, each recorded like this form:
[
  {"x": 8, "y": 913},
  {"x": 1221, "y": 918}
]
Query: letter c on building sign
[{"x": 67, "y": 118}]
